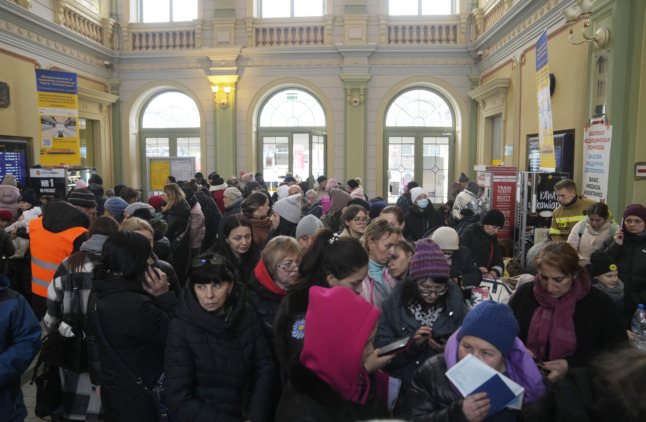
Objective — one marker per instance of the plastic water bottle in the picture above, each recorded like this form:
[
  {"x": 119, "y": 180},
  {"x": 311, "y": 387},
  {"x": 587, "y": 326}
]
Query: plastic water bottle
[{"x": 638, "y": 326}]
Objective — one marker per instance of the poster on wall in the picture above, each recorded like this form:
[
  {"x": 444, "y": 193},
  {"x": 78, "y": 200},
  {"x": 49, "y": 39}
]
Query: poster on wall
[
  {"x": 545, "y": 129},
  {"x": 58, "y": 115},
  {"x": 597, "y": 139},
  {"x": 503, "y": 199}
]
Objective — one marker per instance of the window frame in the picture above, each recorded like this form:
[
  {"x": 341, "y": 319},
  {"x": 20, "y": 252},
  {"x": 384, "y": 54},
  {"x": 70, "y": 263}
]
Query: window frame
[
  {"x": 260, "y": 3},
  {"x": 454, "y": 9},
  {"x": 140, "y": 12}
]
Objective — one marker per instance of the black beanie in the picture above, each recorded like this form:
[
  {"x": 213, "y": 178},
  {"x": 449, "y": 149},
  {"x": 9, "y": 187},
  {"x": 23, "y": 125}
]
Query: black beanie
[
  {"x": 95, "y": 178},
  {"x": 493, "y": 218},
  {"x": 321, "y": 179},
  {"x": 352, "y": 183},
  {"x": 601, "y": 263}
]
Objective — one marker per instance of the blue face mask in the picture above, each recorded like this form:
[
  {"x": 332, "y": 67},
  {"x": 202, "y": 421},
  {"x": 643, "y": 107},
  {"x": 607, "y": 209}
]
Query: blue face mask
[{"x": 422, "y": 203}]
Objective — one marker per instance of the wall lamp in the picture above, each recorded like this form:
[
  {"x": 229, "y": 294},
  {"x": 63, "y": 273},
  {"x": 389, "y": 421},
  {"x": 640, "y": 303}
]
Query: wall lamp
[
  {"x": 582, "y": 9},
  {"x": 224, "y": 99}
]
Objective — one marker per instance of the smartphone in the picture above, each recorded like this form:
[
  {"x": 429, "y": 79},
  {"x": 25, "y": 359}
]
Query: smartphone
[
  {"x": 395, "y": 347},
  {"x": 440, "y": 338}
]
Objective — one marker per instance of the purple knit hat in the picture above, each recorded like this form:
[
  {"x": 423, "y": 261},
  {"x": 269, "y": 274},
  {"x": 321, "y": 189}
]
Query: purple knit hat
[
  {"x": 638, "y": 210},
  {"x": 428, "y": 261}
]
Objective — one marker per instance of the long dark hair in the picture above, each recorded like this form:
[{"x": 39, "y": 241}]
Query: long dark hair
[
  {"x": 330, "y": 254},
  {"x": 285, "y": 228},
  {"x": 411, "y": 296},
  {"x": 249, "y": 258},
  {"x": 252, "y": 203},
  {"x": 103, "y": 225},
  {"x": 125, "y": 253}
]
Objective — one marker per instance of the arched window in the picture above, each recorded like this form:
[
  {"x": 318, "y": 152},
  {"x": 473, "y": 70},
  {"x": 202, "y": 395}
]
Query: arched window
[
  {"x": 291, "y": 132},
  {"x": 170, "y": 127},
  {"x": 420, "y": 7},
  {"x": 419, "y": 136}
]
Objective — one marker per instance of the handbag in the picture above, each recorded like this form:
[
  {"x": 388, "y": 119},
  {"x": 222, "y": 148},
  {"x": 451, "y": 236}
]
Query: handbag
[
  {"x": 498, "y": 291},
  {"x": 156, "y": 392},
  {"x": 49, "y": 394},
  {"x": 67, "y": 352}
]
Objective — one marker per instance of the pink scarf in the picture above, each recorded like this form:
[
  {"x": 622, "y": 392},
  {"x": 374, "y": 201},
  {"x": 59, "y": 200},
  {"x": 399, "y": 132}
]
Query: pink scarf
[{"x": 553, "y": 322}]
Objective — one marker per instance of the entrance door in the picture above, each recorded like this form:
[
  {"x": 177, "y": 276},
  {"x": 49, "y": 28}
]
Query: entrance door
[{"x": 299, "y": 153}]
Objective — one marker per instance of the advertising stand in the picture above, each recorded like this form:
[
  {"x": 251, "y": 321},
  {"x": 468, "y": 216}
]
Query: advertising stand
[{"x": 499, "y": 185}]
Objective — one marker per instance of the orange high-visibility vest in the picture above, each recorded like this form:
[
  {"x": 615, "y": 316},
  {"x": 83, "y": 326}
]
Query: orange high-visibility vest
[{"x": 48, "y": 250}]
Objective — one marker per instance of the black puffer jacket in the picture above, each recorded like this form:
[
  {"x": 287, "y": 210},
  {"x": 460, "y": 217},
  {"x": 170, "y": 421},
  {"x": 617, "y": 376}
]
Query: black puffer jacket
[
  {"x": 485, "y": 250},
  {"x": 212, "y": 218},
  {"x": 420, "y": 221},
  {"x": 631, "y": 263},
  {"x": 265, "y": 304},
  {"x": 288, "y": 332},
  {"x": 134, "y": 324},
  {"x": 396, "y": 322},
  {"x": 307, "y": 398},
  {"x": 463, "y": 265},
  {"x": 218, "y": 366},
  {"x": 179, "y": 233}
]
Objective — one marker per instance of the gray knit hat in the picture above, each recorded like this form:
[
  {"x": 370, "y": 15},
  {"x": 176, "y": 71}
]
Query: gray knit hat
[
  {"x": 289, "y": 208},
  {"x": 130, "y": 209},
  {"x": 82, "y": 198},
  {"x": 115, "y": 205},
  {"x": 308, "y": 225},
  {"x": 232, "y": 193}
]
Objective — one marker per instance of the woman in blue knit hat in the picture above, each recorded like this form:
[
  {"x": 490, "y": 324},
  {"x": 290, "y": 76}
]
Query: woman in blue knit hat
[
  {"x": 427, "y": 305},
  {"x": 489, "y": 334}
]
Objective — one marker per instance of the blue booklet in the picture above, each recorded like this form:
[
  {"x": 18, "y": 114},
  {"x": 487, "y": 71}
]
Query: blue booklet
[{"x": 471, "y": 376}]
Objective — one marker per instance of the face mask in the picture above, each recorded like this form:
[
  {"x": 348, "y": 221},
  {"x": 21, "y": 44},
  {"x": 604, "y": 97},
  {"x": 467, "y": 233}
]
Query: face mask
[
  {"x": 449, "y": 256},
  {"x": 422, "y": 203}
]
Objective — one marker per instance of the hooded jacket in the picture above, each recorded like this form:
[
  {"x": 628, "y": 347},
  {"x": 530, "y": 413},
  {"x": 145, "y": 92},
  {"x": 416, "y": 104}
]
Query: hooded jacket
[
  {"x": 19, "y": 343},
  {"x": 134, "y": 324},
  {"x": 198, "y": 230},
  {"x": 218, "y": 193},
  {"x": 265, "y": 298},
  {"x": 97, "y": 191},
  {"x": 485, "y": 250},
  {"x": 397, "y": 322},
  {"x": 218, "y": 367},
  {"x": 9, "y": 198},
  {"x": 212, "y": 218},
  {"x": 421, "y": 220},
  {"x": 329, "y": 383},
  {"x": 585, "y": 240},
  {"x": 465, "y": 200}
]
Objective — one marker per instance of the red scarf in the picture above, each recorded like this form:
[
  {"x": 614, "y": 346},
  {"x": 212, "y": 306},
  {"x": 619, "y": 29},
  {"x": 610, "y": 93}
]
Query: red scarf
[
  {"x": 263, "y": 277},
  {"x": 553, "y": 322}
]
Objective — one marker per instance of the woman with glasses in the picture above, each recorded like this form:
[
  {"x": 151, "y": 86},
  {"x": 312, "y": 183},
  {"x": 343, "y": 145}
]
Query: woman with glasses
[
  {"x": 355, "y": 221},
  {"x": 275, "y": 274},
  {"x": 218, "y": 366},
  {"x": 177, "y": 214},
  {"x": 236, "y": 244},
  {"x": 482, "y": 240},
  {"x": 427, "y": 306}
]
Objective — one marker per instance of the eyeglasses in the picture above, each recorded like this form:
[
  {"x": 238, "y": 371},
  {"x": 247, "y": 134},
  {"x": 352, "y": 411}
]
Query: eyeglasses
[
  {"x": 430, "y": 289},
  {"x": 360, "y": 220},
  {"x": 289, "y": 268},
  {"x": 216, "y": 260}
]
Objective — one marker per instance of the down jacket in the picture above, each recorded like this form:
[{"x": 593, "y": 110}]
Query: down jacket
[
  {"x": 218, "y": 366},
  {"x": 421, "y": 220},
  {"x": 179, "y": 224},
  {"x": 485, "y": 250},
  {"x": 134, "y": 324},
  {"x": 396, "y": 322}
]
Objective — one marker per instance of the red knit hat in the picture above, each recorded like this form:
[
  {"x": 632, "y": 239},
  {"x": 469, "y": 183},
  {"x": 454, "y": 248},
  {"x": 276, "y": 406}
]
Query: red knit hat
[
  {"x": 6, "y": 215},
  {"x": 156, "y": 202}
]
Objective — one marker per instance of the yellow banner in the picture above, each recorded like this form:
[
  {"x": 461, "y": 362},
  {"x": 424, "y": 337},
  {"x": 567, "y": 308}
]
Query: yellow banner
[
  {"x": 159, "y": 172},
  {"x": 545, "y": 128},
  {"x": 58, "y": 115}
]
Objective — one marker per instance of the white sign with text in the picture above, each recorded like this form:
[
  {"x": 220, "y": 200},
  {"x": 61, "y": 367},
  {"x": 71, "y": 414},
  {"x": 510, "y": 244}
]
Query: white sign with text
[{"x": 597, "y": 140}]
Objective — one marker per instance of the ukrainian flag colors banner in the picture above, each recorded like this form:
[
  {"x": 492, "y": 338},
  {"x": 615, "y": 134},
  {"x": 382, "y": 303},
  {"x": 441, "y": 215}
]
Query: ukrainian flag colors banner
[
  {"x": 58, "y": 114},
  {"x": 545, "y": 130}
]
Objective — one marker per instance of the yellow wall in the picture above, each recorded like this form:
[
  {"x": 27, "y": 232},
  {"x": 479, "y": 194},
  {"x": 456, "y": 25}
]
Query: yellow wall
[
  {"x": 21, "y": 117},
  {"x": 508, "y": 70},
  {"x": 568, "y": 63}
]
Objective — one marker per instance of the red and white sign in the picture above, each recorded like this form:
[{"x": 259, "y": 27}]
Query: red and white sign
[
  {"x": 503, "y": 198},
  {"x": 640, "y": 170},
  {"x": 597, "y": 140}
]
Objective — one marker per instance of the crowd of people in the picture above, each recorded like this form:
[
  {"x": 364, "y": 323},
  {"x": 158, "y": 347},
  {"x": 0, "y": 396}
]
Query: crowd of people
[{"x": 225, "y": 301}]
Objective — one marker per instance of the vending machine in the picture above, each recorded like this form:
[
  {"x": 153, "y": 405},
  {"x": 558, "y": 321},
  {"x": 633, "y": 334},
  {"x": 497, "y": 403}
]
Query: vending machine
[{"x": 499, "y": 184}]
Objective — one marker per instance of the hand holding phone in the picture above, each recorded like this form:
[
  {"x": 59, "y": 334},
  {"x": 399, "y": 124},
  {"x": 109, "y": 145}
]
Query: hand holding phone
[{"x": 395, "y": 347}]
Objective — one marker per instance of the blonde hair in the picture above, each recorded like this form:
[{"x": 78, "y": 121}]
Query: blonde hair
[
  {"x": 175, "y": 195},
  {"x": 279, "y": 248},
  {"x": 376, "y": 230},
  {"x": 136, "y": 224}
]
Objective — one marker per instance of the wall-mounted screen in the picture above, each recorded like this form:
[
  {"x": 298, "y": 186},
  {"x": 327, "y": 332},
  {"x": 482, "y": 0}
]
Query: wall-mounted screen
[{"x": 13, "y": 159}]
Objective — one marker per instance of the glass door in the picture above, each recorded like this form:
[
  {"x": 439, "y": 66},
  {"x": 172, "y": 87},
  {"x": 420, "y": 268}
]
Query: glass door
[
  {"x": 401, "y": 164},
  {"x": 299, "y": 153}
]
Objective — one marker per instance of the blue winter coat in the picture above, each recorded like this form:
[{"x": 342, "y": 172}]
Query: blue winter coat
[{"x": 19, "y": 343}]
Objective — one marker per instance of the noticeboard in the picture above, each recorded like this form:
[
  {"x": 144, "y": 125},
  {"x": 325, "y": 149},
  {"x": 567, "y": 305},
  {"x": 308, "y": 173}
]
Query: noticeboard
[{"x": 159, "y": 168}]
